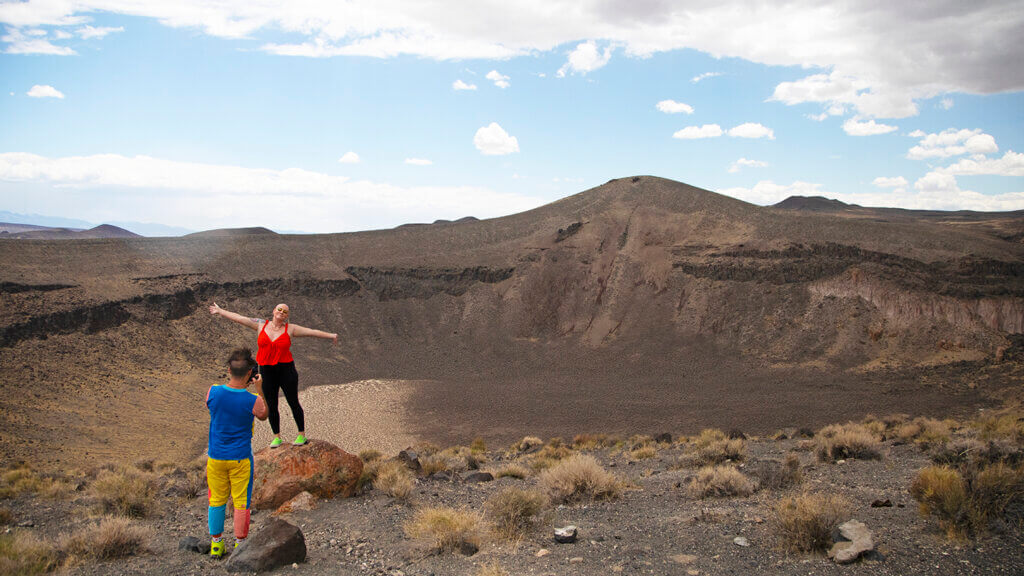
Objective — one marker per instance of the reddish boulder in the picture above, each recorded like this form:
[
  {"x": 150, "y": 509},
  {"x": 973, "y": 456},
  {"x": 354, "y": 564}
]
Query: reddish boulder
[{"x": 319, "y": 467}]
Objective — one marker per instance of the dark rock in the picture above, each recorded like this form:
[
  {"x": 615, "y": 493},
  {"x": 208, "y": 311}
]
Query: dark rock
[
  {"x": 478, "y": 477},
  {"x": 882, "y": 503},
  {"x": 663, "y": 438},
  {"x": 411, "y": 460},
  {"x": 737, "y": 435},
  {"x": 442, "y": 476},
  {"x": 805, "y": 433},
  {"x": 566, "y": 535},
  {"x": 193, "y": 544},
  {"x": 276, "y": 544}
]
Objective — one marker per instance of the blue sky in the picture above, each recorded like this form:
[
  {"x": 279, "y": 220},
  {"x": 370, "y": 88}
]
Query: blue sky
[{"x": 331, "y": 117}]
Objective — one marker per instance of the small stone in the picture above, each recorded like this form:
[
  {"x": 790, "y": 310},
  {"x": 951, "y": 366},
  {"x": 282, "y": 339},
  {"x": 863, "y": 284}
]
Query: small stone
[
  {"x": 478, "y": 477},
  {"x": 566, "y": 535},
  {"x": 576, "y": 560},
  {"x": 840, "y": 461},
  {"x": 334, "y": 542},
  {"x": 741, "y": 541},
  {"x": 542, "y": 553},
  {"x": 882, "y": 503},
  {"x": 684, "y": 558},
  {"x": 295, "y": 566}
]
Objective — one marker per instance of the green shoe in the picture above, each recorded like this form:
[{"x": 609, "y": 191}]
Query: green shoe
[
  {"x": 217, "y": 549},
  {"x": 299, "y": 440},
  {"x": 275, "y": 442}
]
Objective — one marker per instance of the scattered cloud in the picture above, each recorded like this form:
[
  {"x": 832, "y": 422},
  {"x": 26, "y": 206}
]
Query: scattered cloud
[
  {"x": 44, "y": 91},
  {"x": 1011, "y": 164},
  {"x": 500, "y": 80},
  {"x": 951, "y": 142},
  {"x": 349, "y": 157},
  {"x": 743, "y": 162},
  {"x": 704, "y": 76},
  {"x": 492, "y": 140},
  {"x": 854, "y": 127},
  {"x": 460, "y": 85},
  {"x": 695, "y": 132},
  {"x": 585, "y": 58},
  {"x": 751, "y": 130},
  {"x": 766, "y": 192},
  {"x": 61, "y": 35},
  {"x": 18, "y": 43},
  {"x": 673, "y": 107},
  {"x": 886, "y": 182},
  {"x": 839, "y": 92},
  {"x": 418, "y": 162},
  {"x": 167, "y": 191},
  {"x": 946, "y": 103},
  {"x": 917, "y": 134},
  {"x": 818, "y": 117},
  {"x": 87, "y": 32}
]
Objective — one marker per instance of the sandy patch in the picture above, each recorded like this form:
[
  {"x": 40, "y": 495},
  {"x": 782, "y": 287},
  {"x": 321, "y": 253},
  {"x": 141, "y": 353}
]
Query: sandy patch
[{"x": 361, "y": 415}]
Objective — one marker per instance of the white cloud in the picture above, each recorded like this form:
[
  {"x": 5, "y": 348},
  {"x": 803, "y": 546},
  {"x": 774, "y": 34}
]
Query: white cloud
[
  {"x": 585, "y": 58},
  {"x": 1011, "y": 164},
  {"x": 818, "y": 117},
  {"x": 499, "y": 79},
  {"x": 349, "y": 157},
  {"x": 87, "y": 32},
  {"x": 673, "y": 107},
  {"x": 492, "y": 140},
  {"x": 751, "y": 130},
  {"x": 61, "y": 35},
  {"x": 743, "y": 162},
  {"x": 44, "y": 91},
  {"x": 166, "y": 191},
  {"x": 18, "y": 43},
  {"x": 36, "y": 32},
  {"x": 418, "y": 162},
  {"x": 932, "y": 192},
  {"x": 839, "y": 91},
  {"x": 854, "y": 127},
  {"x": 704, "y": 76},
  {"x": 951, "y": 142},
  {"x": 887, "y": 182},
  {"x": 946, "y": 103},
  {"x": 460, "y": 85},
  {"x": 917, "y": 134},
  {"x": 695, "y": 132}
]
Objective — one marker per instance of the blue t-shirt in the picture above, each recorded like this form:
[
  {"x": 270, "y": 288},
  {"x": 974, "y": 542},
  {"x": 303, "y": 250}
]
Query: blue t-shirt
[{"x": 231, "y": 422}]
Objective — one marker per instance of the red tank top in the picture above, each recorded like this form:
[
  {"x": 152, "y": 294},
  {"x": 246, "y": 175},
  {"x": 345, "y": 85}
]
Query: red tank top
[{"x": 270, "y": 352}]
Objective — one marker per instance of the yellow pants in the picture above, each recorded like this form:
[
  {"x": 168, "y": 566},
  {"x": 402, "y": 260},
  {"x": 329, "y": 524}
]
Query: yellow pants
[{"x": 230, "y": 478}]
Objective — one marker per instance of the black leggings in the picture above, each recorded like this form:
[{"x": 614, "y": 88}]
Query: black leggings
[{"x": 284, "y": 377}]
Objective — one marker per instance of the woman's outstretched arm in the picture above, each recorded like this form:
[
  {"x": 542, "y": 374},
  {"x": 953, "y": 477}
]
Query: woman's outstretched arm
[
  {"x": 253, "y": 323},
  {"x": 303, "y": 332}
]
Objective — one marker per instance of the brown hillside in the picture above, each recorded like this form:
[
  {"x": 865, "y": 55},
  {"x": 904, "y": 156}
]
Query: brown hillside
[{"x": 644, "y": 304}]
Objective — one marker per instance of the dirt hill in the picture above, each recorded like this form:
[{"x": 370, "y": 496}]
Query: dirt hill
[{"x": 643, "y": 303}]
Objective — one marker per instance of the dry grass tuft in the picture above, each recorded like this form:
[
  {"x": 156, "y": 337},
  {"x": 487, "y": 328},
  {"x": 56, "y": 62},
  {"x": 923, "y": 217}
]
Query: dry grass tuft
[
  {"x": 719, "y": 482},
  {"x": 111, "y": 538},
  {"x": 512, "y": 471},
  {"x": 840, "y": 442},
  {"x": 1009, "y": 426},
  {"x": 942, "y": 492},
  {"x": 391, "y": 477},
  {"x": 926, "y": 432},
  {"x": 969, "y": 499},
  {"x": 712, "y": 446},
  {"x": 126, "y": 492},
  {"x": 527, "y": 443},
  {"x": 478, "y": 446},
  {"x": 19, "y": 480},
  {"x": 22, "y": 553},
  {"x": 577, "y": 478},
  {"x": 513, "y": 510},
  {"x": 432, "y": 464},
  {"x": 6, "y": 516},
  {"x": 550, "y": 455},
  {"x": 446, "y": 529},
  {"x": 644, "y": 452},
  {"x": 370, "y": 455},
  {"x": 805, "y": 522}
]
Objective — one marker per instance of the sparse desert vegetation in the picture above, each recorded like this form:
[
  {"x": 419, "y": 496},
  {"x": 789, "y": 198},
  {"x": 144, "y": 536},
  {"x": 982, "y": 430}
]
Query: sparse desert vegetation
[
  {"x": 514, "y": 510},
  {"x": 720, "y": 481},
  {"x": 839, "y": 442},
  {"x": 713, "y": 446},
  {"x": 805, "y": 522},
  {"x": 577, "y": 478},
  {"x": 446, "y": 529}
]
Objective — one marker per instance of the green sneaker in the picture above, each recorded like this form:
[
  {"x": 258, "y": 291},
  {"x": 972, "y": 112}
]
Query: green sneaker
[
  {"x": 276, "y": 442},
  {"x": 217, "y": 549},
  {"x": 299, "y": 440}
]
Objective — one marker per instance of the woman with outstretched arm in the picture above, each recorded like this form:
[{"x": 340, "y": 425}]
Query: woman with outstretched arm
[{"x": 274, "y": 356}]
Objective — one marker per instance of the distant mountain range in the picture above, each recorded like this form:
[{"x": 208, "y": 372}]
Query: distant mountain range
[{"x": 9, "y": 221}]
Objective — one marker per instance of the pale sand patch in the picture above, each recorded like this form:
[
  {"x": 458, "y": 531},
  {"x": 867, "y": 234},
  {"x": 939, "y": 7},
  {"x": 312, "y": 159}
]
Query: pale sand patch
[{"x": 362, "y": 415}]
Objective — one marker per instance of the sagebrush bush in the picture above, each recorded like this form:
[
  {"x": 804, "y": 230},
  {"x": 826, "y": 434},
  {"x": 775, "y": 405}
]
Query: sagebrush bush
[
  {"x": 111, "y": 538},
  {"x": 719, "y": 482},
  {"x": 805, "y": 522},
  {"x": 391, "y": 477},
  {"x": 1008, "y": 426},
  {"x": 841, "y": 442},
  {"x": 775, "y": 475},
  {"x": 926, "y": 432},
  {"x": 446, "y": 529},
  {"x": 514, "y": 510},
  {"x": 712, "y": 446},
  {"x": 126, "y": 492},
  {"x": 968, "y": 499},
  {"x": 941, "y": 491},
  {"x": 23, "y": 553},
  {"x": 959, "y": 451},
  {"x": 579, "y": 477}
]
